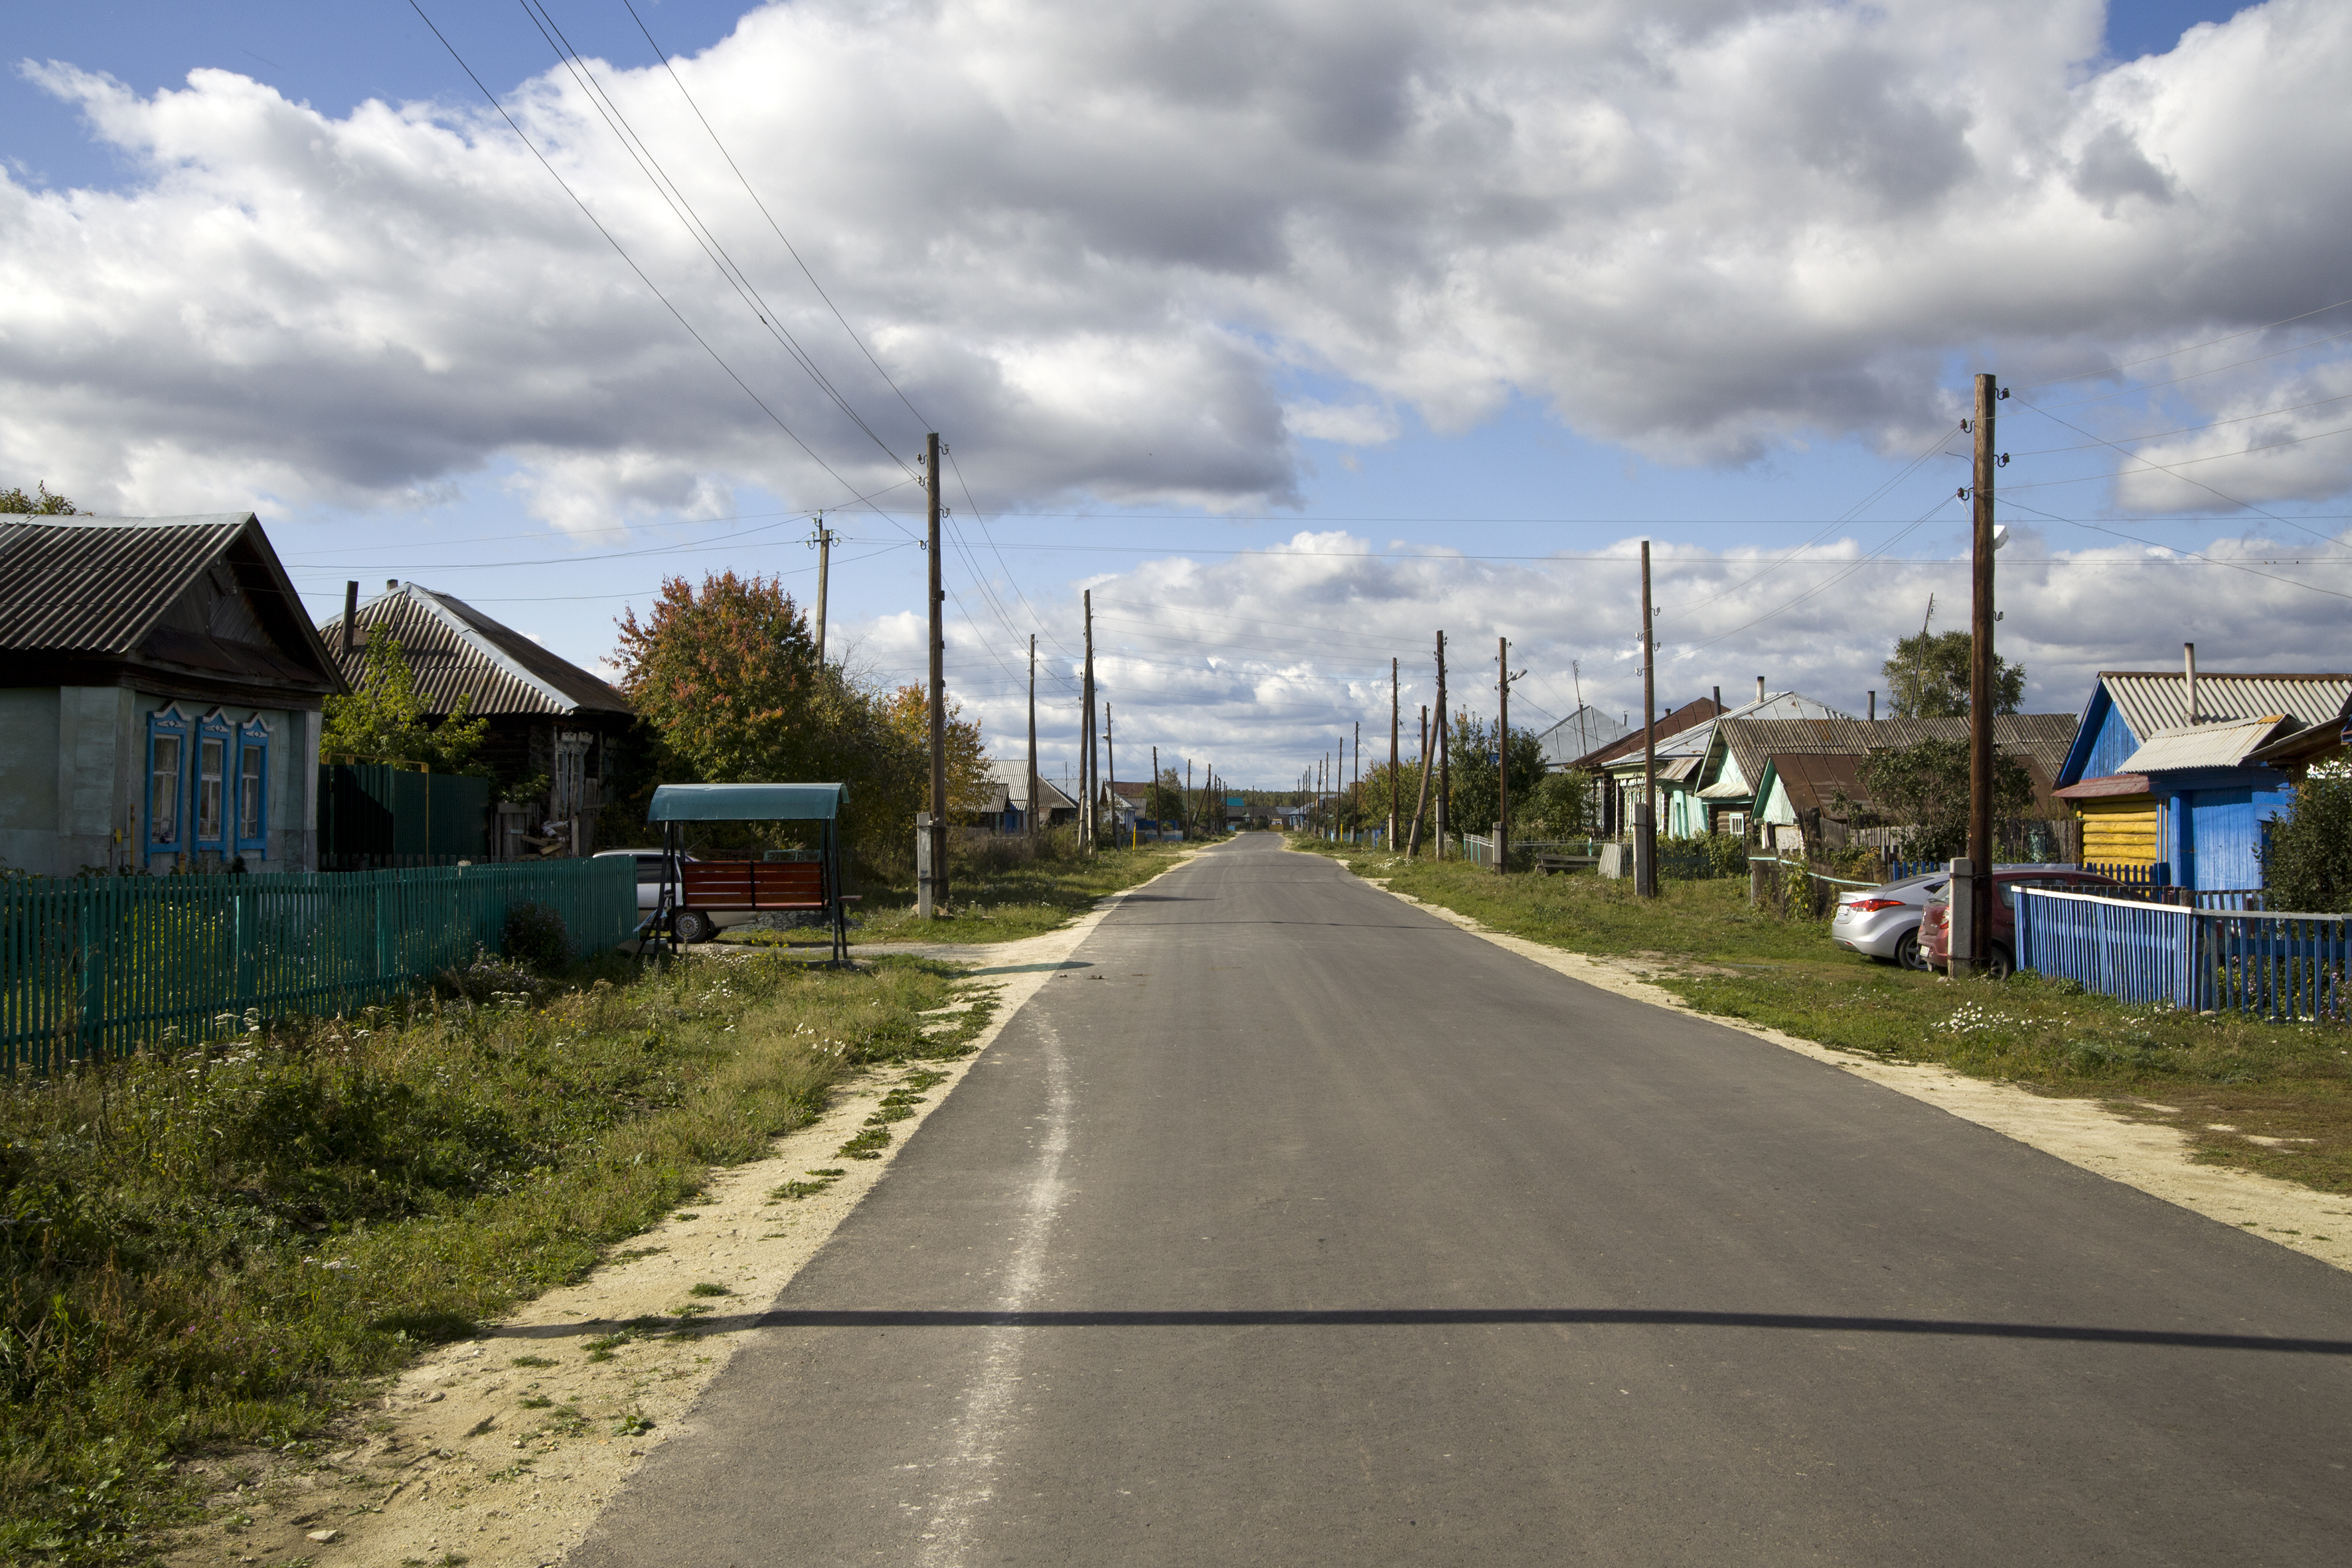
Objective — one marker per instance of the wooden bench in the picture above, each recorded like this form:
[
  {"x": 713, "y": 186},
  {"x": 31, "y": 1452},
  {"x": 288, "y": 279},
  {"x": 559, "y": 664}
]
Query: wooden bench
[
  {"x": 735, "y": 884},
  {"x": 1550, "y": 865}
]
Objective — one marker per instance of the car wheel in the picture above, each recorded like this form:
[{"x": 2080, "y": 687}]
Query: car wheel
[
  {"x": 2000, "y": 964},
  {"x": 1906, "y": 952},
  {"x": 691, "y": 926}
]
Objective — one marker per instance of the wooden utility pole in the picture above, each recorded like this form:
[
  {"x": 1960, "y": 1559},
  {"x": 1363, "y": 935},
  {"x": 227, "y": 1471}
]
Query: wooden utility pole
[
  {"x": 1087, "y": 735},
  {"x": 1188, "y": 800},
  {"x": 1111, "y": 762},
  {"x": 1982, "y": 699},
  {"x": 1033, "y": 740},
  {"x": 1152, "y": 793},
  {"x": 823, "y": 542},
  {"x": 1420, "y": 800},
  {"x": 1645, "y": 826},
  {"x": 1503, "y": 756},
  {"x": 1444, "y": 770},
  {"x": 933, "y": 896},
  {"x": 1393, "y": 756}
]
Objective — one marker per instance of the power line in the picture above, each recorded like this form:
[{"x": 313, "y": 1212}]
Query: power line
[{"x": 2192, "y": 348}]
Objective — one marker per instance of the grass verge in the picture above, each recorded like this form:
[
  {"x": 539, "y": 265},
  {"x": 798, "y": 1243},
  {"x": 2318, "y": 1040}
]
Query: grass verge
[
  {"x": 221, "y": 1248},
  {"x": 991, "y": 903},
  {"x": 2271, "y": 1098}
]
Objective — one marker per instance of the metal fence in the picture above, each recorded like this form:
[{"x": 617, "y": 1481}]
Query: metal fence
[
  {"x": 102, "y": 965},
  {"x": 2199, "y": 960}
]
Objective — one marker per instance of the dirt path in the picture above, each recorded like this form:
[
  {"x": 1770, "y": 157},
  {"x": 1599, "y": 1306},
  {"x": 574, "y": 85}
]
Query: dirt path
[{"x": 499, "y": 1452}]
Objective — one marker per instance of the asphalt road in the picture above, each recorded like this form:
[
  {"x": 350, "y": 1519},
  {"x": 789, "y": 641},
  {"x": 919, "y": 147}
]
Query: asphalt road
[{"x": 1298, "y": 1227}]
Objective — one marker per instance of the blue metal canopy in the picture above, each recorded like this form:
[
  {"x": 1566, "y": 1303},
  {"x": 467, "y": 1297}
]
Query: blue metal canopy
[{"x": 748, "y": 803}]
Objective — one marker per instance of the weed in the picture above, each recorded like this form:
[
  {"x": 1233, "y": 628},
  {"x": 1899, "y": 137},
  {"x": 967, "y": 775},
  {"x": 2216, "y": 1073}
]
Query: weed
[
  {"x": 530, "y": 1360},
  {"x": 867, "y": 1145},
  {"x": 633, "y": 1423},
  {"x": 705, "y": 1287},
  {"x": 536, "y": 1402}
]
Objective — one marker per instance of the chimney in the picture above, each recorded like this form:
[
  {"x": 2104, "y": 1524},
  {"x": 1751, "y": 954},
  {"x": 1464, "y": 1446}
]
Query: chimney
[
  {"x": 1760, "y": 688},
  {"x": 1719, "y": 698},
  {"x": 351, "y": 615},
  {"x": 392, "y": 584},
  {"x": 2188, "y": 663},
  {"x": 1873, "y": 707}
]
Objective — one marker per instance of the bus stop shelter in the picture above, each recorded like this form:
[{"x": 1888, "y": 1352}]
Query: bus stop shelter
[{"x": 771, "y": 883}]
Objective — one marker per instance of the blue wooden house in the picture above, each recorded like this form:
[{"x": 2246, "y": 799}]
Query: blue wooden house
[{"x": 2163, "y": 770}]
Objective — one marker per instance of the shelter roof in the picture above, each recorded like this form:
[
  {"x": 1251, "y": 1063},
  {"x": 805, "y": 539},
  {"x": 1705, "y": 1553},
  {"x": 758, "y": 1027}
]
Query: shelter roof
[
  {"x": 455, "y": 650},
  {"x": 2109, "y": 787},
  {"x": 746, "y": 803},
  {"x": 203, "y": 597}
]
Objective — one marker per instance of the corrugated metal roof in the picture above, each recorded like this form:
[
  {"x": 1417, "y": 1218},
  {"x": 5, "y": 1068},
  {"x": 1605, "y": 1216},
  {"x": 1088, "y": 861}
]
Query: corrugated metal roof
[
  {"x": 1014, "y": 778},
  {"x": 97, "y": 586},
  {"x": 1581, "y": 734},
  {"x": 1815, "y": 780},
  {"x": 2041, "y": 738},
  {"x": 1673, "y": 723},
  {"x": 2151, "y": 700},
  {"x": 2223, "y": 745},
  {"x": 455, "y": 650},
  {"x": 1699, "y": 740}
]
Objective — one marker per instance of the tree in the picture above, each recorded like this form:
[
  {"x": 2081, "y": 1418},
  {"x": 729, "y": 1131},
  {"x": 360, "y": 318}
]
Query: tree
[
  {"x": 967, "y": 775},
  {"x": 1927, "y": 677},
  {"x": 384, "y": 720},
  {"x": 1926, "y": 785},
  {"x": 1165, "y": 802},
  {"x": 2307, "y": 857},
  {"x": 730, "y": 676},
  {"x": 43, "y": 504},
  {"x": 1475, "y": 799},
  {"x": 1562, "y": 807}
]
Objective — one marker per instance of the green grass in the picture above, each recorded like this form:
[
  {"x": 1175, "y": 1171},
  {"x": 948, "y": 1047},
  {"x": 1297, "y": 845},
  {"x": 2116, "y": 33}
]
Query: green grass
[
  {"x": 2227, "y": 1081},
  {"x": 986, "y": 904},
  {"x": 222, "y": 1248}
]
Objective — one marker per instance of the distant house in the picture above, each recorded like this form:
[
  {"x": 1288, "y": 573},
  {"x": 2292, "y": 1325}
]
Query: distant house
[
  {"x": 163, "y": 699},
  {"x": 2166, "y": 768},
  {"x": 1784, "y": 773},
  {"x": 1053, "y": 803},
  {"x": 547, "y": 717},
  {"x": 1695, "y": 760},
  {"x": 1614, "y": 812}
]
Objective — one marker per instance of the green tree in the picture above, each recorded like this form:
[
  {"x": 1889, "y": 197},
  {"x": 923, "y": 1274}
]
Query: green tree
[
  {"x": 1475, "y": 797},
  {"x": 1927, "y": 677},
  {"x": 384, "y": 720},
  {"x": 1165, "y": 803},
  {"x": 2307, "y": 858},
  {"x": 42, "y": 504},
  {"x": 1562, "y": 807},
  {"x": 1926, "y": 786}
]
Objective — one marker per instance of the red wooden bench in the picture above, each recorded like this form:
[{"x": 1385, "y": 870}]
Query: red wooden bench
[{"x": 732, "y": 885}]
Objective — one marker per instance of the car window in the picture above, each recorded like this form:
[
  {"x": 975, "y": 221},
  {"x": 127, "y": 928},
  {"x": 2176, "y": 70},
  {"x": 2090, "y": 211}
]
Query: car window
[{"x": 649, "y": 868}]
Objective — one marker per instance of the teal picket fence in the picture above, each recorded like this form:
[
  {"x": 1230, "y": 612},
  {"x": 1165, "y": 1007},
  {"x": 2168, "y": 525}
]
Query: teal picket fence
[{"x": 94, "y": 966}]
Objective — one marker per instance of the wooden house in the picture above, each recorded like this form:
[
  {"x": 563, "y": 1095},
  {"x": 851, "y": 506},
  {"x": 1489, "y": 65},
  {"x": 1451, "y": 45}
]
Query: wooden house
[
  {"x": 1795, "y": 770},
  {"x": 547, "y": 717},
  {"x": 1693, "y": 761},
  {"x": 2165, "y": 769},
  {"x": 162, "y": 697}
]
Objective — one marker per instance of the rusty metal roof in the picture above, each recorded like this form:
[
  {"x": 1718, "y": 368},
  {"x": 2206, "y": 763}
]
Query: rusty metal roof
[
  {"x": 455, "y": 650},
  {"x": 2151, "y": 700},
  {"x": 100, "y": 584},
  {"x": 2101, "y": 788}
]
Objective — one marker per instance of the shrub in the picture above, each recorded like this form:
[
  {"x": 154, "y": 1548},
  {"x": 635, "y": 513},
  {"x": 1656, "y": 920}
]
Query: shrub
[
  {"x": 534, "y": 935},
  {"x": 2308, "y": 862}
]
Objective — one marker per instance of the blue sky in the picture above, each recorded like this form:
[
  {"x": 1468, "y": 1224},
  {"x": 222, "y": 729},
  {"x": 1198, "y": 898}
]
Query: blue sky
[{"x": 1296, "y": 396}]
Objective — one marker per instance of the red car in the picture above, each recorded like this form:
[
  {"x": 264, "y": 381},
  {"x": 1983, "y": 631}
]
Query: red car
[{"x": 1936, "y": 925}]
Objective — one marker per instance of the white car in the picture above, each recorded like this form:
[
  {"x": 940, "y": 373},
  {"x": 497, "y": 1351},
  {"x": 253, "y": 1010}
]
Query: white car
[{"x": 691, "y": 925}]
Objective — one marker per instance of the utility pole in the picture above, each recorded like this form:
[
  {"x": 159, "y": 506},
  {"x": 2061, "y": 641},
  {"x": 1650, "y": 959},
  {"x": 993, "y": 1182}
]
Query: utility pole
[
  {"x": 1982, "y": 701},
  {"x": 1420, "y": 800},
  {"x": 1032, "y": 741},
  {"x": 1152, "y": 793},
  {"x": 1645, "y": 827},
  {"x": 1444, "y": 770},
  {"x": 823, "y": 542},
  {"x": 1086, "y": 734},
  {"x": 1188, "y": 800},
  {"x": 1110, "y": 760},
  {"x": 1503, "y": 756},
  {"x": 1393, "y": 756},
  {"x": 932, "y": 893}
]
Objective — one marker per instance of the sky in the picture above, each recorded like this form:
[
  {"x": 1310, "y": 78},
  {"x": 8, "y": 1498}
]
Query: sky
[{"x": 1295, "y": 331}]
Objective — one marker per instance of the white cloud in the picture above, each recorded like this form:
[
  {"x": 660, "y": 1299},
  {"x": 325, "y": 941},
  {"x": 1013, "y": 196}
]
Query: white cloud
[
  {"x": 1094, "y": 244},
  {"x": 1262, "y": 662}
]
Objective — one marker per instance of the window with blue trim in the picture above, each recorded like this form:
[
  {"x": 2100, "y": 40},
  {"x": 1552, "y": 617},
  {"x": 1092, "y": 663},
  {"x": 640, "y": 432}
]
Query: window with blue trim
[
  {"x": 208, "y": 807},
  {"x": 167, "y": 772},
  {"x": 253, "y": 787}
]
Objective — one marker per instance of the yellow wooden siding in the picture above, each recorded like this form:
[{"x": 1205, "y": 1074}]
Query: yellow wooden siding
[{"x": 2119, "y": 832}]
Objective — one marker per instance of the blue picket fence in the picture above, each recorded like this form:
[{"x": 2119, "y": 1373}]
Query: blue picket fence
[
  {"x": 2153, "y": 876},
  {"x": 2199, "y": 960}
]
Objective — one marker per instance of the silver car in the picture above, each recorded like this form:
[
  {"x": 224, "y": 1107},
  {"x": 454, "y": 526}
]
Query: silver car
[
  {"x": 692, "y": 925},
  {"x": 1884, "y": 923}
]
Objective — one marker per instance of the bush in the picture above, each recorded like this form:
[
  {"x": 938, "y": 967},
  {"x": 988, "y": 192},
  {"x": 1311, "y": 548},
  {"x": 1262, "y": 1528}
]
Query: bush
[
  {"x": 534, "y": 935},
  {"x": 2308, "y": 862}
]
